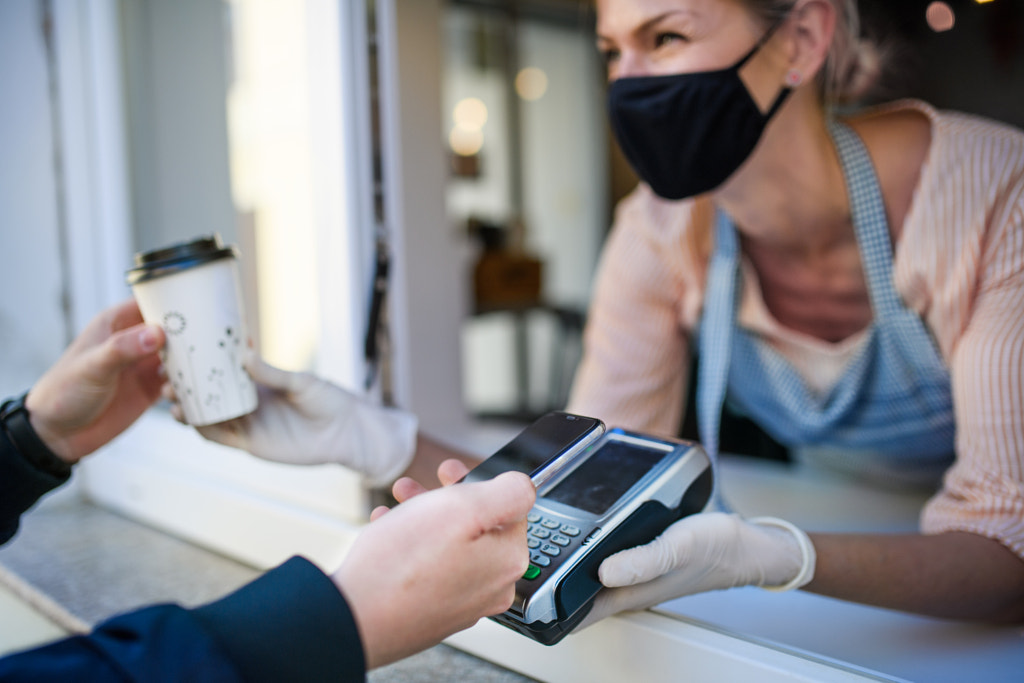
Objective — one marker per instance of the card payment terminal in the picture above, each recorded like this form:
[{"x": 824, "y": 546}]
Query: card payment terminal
[{"x": 621, "y": 492}]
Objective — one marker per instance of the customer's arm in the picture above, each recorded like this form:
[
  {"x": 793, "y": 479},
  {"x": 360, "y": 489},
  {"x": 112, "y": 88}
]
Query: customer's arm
[
  {"x": 292, "y": 623},
  {"x": 105, "y": 379},
  {"x": 22, "y": 483},
  {"x": 423, "y": 571}
]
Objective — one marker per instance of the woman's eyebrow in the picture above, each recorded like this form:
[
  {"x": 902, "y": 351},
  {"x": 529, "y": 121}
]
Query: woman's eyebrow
[{"x": 646, "y": 25}]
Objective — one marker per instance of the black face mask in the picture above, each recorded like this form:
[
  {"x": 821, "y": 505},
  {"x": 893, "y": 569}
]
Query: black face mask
[{"x": 685, "y": 134}]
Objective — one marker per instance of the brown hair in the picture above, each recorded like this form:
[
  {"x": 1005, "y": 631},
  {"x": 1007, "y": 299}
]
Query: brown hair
[{"x": 853, "y": 65}]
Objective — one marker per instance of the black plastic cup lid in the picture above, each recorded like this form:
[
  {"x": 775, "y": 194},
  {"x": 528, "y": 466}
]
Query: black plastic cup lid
[{"x": 150, "y": 265}]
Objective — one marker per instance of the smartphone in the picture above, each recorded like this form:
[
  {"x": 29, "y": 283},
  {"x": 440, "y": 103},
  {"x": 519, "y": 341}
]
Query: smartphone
[{"x": 541, "y": 448}]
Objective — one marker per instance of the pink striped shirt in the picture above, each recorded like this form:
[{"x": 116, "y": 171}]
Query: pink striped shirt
[{"x": 959, "y": 263}]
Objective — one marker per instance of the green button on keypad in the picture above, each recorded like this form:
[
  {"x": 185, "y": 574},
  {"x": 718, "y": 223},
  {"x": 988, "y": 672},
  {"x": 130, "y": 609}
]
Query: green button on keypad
[{"x": 532, "y": 572}]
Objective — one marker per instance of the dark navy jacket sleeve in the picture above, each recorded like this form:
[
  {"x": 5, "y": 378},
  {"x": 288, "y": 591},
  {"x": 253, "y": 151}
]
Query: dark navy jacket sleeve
[
  {"x": 291, "y": 624},
  {"x": 161, "y": 643}
]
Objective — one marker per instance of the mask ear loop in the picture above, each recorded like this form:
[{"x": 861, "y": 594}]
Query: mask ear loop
[
  {"x": 781, "y": 97},
  {"x": 764, "y": 39}
]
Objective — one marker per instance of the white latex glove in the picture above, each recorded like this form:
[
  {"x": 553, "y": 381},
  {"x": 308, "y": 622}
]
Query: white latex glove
[
  {"x": 704, "y": 552},
  {"x": 304, "y": 420}
]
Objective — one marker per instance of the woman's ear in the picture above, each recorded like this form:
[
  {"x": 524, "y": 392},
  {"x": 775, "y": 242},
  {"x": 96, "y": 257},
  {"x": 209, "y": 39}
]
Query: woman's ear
[{"x": 812, "y": 25}]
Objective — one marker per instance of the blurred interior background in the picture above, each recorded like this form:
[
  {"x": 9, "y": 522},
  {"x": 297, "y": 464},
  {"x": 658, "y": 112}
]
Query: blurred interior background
[
  {"x": 225, "y": 130},
  {"x": 535, "y": 175},
  {"x": 460, "y": 145}
]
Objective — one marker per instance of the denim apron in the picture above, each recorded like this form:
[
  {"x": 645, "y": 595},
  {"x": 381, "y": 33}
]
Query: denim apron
[{"x": 889, "y": 416}]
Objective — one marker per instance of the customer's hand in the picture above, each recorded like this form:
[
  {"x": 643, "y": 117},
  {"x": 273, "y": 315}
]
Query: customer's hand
[
  {"x": 704, "y": 552},
  {"x": 108, "y": 376},
  {"x": 304, "y": 420},
  {"x": 436, "y": 564}
]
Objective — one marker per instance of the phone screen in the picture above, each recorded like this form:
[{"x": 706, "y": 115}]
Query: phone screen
[
  {"x": 549, "y": 436},
  {"x": 597, "y": 483}
]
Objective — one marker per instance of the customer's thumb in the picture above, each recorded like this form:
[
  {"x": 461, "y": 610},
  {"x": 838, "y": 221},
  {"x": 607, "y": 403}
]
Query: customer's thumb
[
  {"x": 128, "y": 346},
  {"x": 506, "y": 499}
]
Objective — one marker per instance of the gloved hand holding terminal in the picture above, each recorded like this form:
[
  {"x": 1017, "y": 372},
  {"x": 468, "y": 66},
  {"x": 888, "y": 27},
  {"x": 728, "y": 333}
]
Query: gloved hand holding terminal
[{"x": 705, "y": 552}]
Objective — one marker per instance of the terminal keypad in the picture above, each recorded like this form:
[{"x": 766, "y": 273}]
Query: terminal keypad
[{"x": 547, "y": 538}]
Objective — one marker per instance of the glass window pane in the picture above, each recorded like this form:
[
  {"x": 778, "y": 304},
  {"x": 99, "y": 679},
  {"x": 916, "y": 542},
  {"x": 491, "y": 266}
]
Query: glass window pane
[
  {"x": 223, "y": 140},
  {"x": 526, "y": 134}
]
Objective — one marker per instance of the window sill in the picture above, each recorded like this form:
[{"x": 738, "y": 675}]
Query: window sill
[{"x": 164, "y": 474}]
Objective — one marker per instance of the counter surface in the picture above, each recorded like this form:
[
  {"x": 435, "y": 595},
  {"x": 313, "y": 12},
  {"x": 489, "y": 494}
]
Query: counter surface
[
  {"x": 898, "y": 644},
  {"x": 88, "y": 563}
]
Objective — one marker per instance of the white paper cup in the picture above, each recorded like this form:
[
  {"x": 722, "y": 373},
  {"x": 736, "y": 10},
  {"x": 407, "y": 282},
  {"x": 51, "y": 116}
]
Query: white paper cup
[{"x": 193, "y": 291}]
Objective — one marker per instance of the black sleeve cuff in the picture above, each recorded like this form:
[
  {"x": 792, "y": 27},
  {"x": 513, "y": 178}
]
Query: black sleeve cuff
[
  {"x": 21, "y": 485},
  {"x": 290, "y": 624},
  {"x": 15, "y": 421}
]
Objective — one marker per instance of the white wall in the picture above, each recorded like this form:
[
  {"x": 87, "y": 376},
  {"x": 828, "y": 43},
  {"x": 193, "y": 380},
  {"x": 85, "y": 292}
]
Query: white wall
[
  {"x": 429, "y": 287},
  {"x": 32, "y": 325},
  {"x": 565, "y": 152}
]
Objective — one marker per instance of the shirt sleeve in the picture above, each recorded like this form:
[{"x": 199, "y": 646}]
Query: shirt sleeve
[
  {"x": 635, "y": 347},
  {"x": 291, "y": 624},
  {"x": 983, "y": 492}
]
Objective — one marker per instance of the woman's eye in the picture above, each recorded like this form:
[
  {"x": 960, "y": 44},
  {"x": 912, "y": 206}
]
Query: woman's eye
[
  {"x": 609, "y": 55},
  {"x": 667, "y": 38}
]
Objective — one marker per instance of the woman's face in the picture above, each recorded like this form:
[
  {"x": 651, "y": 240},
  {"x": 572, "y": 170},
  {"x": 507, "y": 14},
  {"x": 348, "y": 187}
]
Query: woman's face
[{"x": 658, "y": 37}]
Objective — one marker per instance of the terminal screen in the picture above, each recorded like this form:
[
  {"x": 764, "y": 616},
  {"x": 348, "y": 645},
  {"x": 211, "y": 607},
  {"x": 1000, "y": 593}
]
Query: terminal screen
[{"x": 611, "y": 470}]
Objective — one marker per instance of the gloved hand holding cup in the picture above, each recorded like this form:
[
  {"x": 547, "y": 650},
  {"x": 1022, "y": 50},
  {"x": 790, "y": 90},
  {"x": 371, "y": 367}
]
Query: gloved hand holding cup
[
  {"x": 303, "y": 419},
  {"x": 221, "y": 387}
]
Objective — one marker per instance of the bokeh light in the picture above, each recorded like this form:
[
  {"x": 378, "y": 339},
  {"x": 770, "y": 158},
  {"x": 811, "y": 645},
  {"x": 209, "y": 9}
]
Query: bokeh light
[
  {"x": 531, "y": 83},
  {"x": 940, "y": 17},
  {"x": 470, "y": 114},
  {"x": 465, "y": 142}
]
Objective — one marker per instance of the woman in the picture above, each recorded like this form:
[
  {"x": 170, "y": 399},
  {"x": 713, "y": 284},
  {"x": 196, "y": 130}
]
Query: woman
[
  {"x": 875, "y": 326},
  {"x": 853, "y": 285}
]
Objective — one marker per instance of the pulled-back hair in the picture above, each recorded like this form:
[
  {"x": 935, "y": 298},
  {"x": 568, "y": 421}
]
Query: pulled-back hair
[{"x": 853, "y": 65}]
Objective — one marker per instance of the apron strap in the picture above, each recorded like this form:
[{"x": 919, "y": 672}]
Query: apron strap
[
  {"x": 722, "y": 289},
  {"x": 868, "y": 213},
  {"x": 715, "y": 335}
]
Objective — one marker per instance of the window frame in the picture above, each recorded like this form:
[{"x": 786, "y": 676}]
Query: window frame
[{"x": 159, "y": 471}]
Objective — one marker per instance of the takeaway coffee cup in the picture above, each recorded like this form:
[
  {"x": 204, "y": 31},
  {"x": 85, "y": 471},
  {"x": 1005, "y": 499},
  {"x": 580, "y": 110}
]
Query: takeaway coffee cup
[{"x": 192, "y": 290}]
